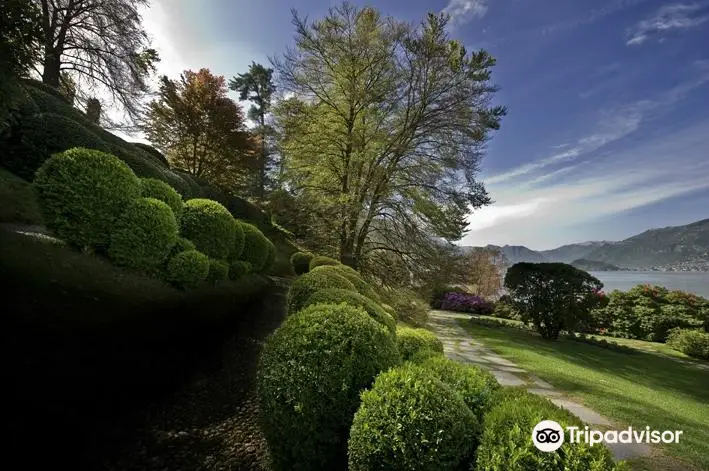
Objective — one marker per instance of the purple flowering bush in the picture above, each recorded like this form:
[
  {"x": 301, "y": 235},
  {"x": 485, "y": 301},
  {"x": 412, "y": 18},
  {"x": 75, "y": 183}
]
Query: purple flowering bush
[{"x": 464, "y": 302}]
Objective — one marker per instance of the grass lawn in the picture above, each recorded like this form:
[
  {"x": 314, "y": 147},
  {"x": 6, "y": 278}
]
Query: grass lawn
[{"x": 638, "y": 388}]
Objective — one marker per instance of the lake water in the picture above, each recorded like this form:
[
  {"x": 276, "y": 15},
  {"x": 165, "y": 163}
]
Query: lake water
[{"x": 692, "y": 282}]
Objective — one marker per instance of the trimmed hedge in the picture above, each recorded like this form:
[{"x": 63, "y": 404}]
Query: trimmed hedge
[
  {"x": 218, "y": 271},
  {"x": 239, "y": 268},
  {"x": 306, "y": 285},
  {"x": 301, "y": 262},
  {"x": 238, "y": 248},
  {"x": 256, "y": 247},
  {"x": 410, "y": 420},
  {"x": 270, "y": 257},
  {"x": 320, "y": 260},
  {"x": 413, "y": 342},
  {"x": 210, "y": 226},
  {"x": 188, "y": 269},
  {"x": 158, "y": 189},
  {"x": 311, "y": 372},
  {"x": 355, "y": 278},
  {"x": 506, "y": 443},
  {"x": 694, "y": 343},
  {"x": 336, "y": 296},
  {"x": 182, "y": 245},
  {"x": 82, "y": 193},
  {"x": 152, "y": 151},
  {"x": 143, "y": 235}
]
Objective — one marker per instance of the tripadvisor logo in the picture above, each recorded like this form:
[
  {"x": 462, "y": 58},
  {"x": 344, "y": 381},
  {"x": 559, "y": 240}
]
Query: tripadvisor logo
[{"x": 548, "y": 436}]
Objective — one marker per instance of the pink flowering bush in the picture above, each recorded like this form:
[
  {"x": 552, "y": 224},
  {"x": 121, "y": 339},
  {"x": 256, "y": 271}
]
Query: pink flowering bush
[{"x": 463, "y": 302}]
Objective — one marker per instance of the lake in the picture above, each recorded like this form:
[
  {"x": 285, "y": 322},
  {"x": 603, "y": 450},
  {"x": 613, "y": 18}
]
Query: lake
[{"x": 692, "y": 282}]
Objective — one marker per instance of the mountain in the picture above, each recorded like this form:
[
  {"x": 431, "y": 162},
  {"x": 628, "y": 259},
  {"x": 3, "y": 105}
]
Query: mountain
[
  {"x": 683, "y": 248},
  {"x": 593, "y": 265}
]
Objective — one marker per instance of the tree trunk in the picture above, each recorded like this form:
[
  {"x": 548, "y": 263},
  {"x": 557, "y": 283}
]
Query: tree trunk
[{"x": 52, "y": 64}]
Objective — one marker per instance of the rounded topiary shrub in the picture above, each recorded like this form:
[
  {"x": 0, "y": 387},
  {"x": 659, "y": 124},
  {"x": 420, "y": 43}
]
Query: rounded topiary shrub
[
  {"x": 338, "y": 295},
  {"x": 188, "y": 269},
  {"x": 270, "y": 257},
  {"x": 355, "y": 278},
  {"x": 256, "y": 247},
  {"x": 210, "y": 226},
  {"x": 410, "y": 420},
  {"x": 238, "y": 247},
  {"x": 239, "y": 268},
  {"x": 310, "y": 376},
  {"x": 506, "y": 442},
  {"x": 81, "y": 194},
  {"x": 417, "y": 342},
  {"x": 319, "y": 260},
  {"x": 181, "y": 245},
  {"x": 218, "y": 271},
  {"x": 158, "y": 189},
  {"x": 306, "y": 285},
  {"x": 143, "y": 235},
  {"x": 301, "y": 262},
  {"x": 476, "y": 386}
]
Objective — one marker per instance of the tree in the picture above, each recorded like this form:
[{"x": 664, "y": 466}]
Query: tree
[
  {"x": 100, "y": 44},
  {"x": 553, "y": 296},
  {"x": 200, "y": 129},
  {"x": 257, "y": 86},
  {"x": 386, "y": 129},
  {"x": 484, "y": 268}
]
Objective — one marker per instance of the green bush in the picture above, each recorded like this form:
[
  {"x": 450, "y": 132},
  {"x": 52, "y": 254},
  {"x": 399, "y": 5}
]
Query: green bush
[
  {"x": 320, "y": 260},
  {"x": 337, "y": 295},
  {"x": 238, "y": 268},
  {"x": 218, "y": 271},
  {"x": 506, "y": 443},
  {"x": 307, "y": 284},
  {"x": 256, "y": 247},
  {"x": 210, "y": 226},
  {"x": 270, "y": 257},
  {"x": 409, "y": 307},
  {"x": 355, "y": 278},
  {"x": 504, "y": 309},
  {"x": 188, "y": 269},
  {"x": 143, "y": 235},
  {"x": 158, "y": 189},
  {"x": 476, "y": 386},
  {"x": 153, "y": 152},
  {"x": 417, "y": 341},
  {"x": 82, "y": 193},
  {"x": 410, "y": 420},
  {"x": 390, "y": 310},
  {"x": 181, "y": 245},
  {"x": 694, "y": 343},
  {"x": 311, "y": 372},
  {"x": 238, "y": 247},
  {"x": 301, "y": 262}
]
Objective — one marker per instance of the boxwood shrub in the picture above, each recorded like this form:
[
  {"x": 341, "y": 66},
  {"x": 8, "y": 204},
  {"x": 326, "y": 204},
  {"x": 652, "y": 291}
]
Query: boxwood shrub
[
  {"x": 238, "y": 248},
  {"x": 181, "y": 245},
  {"x": 301, "y": 262},
  {"x": 238, "y": 268},
  {"x": 413, "y": 341},
  {"x": 218, "y": 271},
  {"x": 355, "y": 278},
  {"x": 270, "y": 257},
  {"x": 158, "y": 189},
  {"x": 306, "y": 285},
  {"x": 410, "y": 420},
  {"x": 210, "y": 226},
  {"x": 694, "y": 343},
  {"x": 338, "y": 295},
  {"x": 256, "y": 247},
  {"x": 81, "y": 194},
  {"x": 319, "y": 260},
  {"x": 506, "y": 442},
  {"x": 143, "y": 235},
  {"x": 188, "y": 269},
  {"x": 310, "y": 376}
]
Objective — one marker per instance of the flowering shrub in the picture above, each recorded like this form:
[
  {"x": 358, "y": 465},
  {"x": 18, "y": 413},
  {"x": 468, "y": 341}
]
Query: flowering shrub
[{"x": 463, "y": 302}]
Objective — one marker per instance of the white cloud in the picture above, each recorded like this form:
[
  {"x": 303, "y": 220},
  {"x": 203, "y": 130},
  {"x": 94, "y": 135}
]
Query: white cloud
[
  {"x": 463, "y": 11},
  {"x": 677, "y": 16}
]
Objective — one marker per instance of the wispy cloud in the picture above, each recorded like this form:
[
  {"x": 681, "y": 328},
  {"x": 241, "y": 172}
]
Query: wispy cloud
[
  {"x": 463, "y": 11},
  {"x": 674, "y": 17}
]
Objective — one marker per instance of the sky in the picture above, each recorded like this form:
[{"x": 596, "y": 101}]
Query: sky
[{"x": 607, "y": 132}]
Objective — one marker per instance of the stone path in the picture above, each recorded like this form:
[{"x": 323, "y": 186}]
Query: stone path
[{"x": 459, "y": 346}]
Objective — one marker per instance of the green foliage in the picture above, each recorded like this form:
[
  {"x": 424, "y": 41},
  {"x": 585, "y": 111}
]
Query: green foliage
[
  {"x": 270, "y": 258},
  {"x": 181, "y": 245},
  {"x": 239, "y": 240},
  {"x": 256, "y": 247},
  {"x": 188, "y": 269},
  {"x": 338, "y": 295},
  {"x": 390, "y": 310},
  {"x": 476, "y": 386},
  {"x": 319, "y": 260},
  {"x": 301, "y": 262},
  {"x": 410, "y": 420},
  {"x": 210, "y": 226},
  {"x": 152, "y": 151},
  {"x": 158, "y": 189},
  {"x": 412, "y": 342},
  {"x": 17, "y": 200},
  {"x": 218, "y": 271},
  {"x": 504, "y": 309},
  {"x": 238, "y": 268},
  {"x": 694, "y": 343},
  {"x": 82, "y": 193},
  {"x": 311, "y": 372},
  {"x": 356, "y": 279},
  {"x": 143, "y": 235},
  {"x": 307, "y": 284},
  {"x": 408, "y": 306},
  {"x": 506, "y": 443},
  {"x": 553, "y": 296},
  {"x": 439, "y": 291}
]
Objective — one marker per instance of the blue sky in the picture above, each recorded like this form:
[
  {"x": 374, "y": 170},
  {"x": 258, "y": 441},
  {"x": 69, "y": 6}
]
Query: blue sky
[{"x": 608, "y": 127}]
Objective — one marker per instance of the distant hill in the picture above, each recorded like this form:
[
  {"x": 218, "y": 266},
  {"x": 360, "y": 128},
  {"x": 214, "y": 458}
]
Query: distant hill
[
  {"x": 677, "y": 248},
  {"x": 594, "y": 265}
]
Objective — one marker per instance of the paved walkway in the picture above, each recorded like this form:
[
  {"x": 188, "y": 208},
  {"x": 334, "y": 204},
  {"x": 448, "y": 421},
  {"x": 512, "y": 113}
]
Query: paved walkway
[{"x": 459, "y": 346}]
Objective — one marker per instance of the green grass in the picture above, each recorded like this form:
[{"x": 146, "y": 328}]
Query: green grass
[
  {"x": 17, "y": 200},
  {"x": 638, "y": 388}
]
